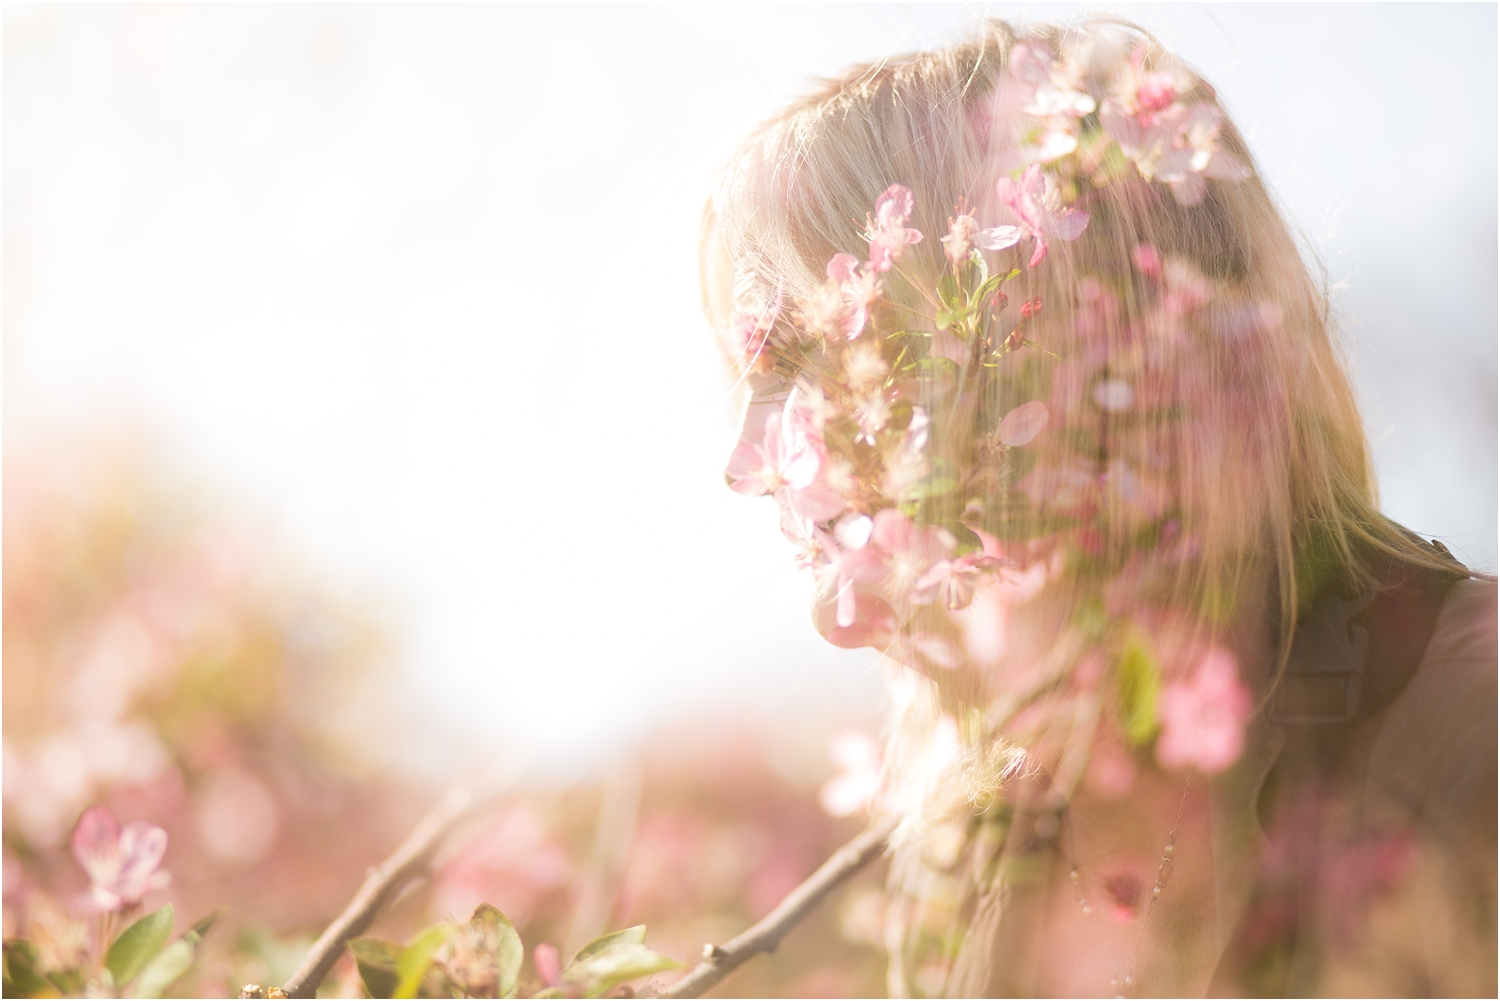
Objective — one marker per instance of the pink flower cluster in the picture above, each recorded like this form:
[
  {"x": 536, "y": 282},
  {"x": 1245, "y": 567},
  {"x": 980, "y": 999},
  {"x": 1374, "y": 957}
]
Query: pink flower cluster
[{"x": 1166, "y": 139}]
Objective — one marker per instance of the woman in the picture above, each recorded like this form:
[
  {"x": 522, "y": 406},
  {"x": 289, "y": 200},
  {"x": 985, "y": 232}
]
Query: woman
[{"x": 1051, "y": 407}]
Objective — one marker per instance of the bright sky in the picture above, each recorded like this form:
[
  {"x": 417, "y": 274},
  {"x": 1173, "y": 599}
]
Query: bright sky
[{"x": 417, "y": 284}]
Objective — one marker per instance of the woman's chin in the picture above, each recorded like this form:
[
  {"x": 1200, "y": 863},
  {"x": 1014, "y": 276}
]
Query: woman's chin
[{"x": 874, "y": 622}]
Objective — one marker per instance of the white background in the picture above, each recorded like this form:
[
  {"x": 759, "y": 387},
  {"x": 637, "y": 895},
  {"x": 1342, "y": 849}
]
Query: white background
[{"x": 417, "y": 285}]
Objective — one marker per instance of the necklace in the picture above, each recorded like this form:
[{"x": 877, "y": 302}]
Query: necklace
[{"x": 1123, "y": 981}]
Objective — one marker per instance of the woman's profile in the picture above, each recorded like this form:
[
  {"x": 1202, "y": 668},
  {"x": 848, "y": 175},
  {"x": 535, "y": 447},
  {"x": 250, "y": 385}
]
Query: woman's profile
[{"x": 1053, "y": 409}]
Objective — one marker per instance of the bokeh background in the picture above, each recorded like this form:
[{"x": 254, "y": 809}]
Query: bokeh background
[{"x": 362, "y": 430}]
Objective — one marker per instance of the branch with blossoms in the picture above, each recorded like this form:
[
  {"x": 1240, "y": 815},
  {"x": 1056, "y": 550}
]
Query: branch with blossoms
[{"x": 141, "y": 959}]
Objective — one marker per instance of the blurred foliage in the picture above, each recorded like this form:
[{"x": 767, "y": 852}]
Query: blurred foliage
[{"x": 164, "y": 659}]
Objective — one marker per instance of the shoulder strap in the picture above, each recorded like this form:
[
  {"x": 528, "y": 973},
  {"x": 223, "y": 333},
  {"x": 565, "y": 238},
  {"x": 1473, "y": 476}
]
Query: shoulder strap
[{"x": 1351, "y": 658}]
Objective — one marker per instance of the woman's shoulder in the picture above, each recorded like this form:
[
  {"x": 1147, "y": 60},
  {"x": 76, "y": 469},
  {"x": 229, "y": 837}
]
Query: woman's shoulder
[{"x": 1434, "y": 750}]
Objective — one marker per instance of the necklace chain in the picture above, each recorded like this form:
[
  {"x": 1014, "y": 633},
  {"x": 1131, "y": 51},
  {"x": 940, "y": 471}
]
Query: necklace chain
[{"x": 1124, "y": 980}]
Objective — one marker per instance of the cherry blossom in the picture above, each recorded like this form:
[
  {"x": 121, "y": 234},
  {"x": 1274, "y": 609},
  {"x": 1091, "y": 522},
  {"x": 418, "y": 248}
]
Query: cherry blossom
[
  {"x": 907, "y": 552},
  {"x": 1039, "y": 211},
  {"x": 122, "y": 865},
  {"x": 1203, "y": 718},
  {"x": 1179, "y": 145},
  {"x": 759, "y": 468},
  {"x": 954, "y": 581},
  {"x": 889, "y": 235}
]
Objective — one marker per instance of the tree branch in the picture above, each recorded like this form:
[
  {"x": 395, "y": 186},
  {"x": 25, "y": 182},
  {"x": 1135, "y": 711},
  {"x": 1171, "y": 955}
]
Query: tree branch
[
  {"x": 381, "y": 884},
  {"x": 766, "y": 935}
]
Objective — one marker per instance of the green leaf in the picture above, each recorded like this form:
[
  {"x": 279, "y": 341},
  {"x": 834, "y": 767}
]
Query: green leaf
[
  {"x": 600, "y": 971},
  {"x": 22, "y": 980},
  {"x": 377, "y": 959},
  {"x": 412, "y": 966},
  {"x": 977, "y": 260},
  {"x": 509, "y": 955},
  {"x": 1138, "y": 679},
  {"x": 138, "y": 945},
  {"x": 985, "y": 290},
  {"x": 634, "y": 935},
  {"x": 938, "y": 367},
  {"x": 176, "y": 959},
  {"x": 948, "y": 292},
  {"x": 942, "y": 480},
  {"x": 943, "y": 320}
]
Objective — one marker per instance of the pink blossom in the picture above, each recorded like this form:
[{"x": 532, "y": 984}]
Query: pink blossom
[
  {"x": 959, "y": 243},
  {"x": 1155, "y": 91},
  {"x": 1147, "y": 259},
  {"x": 759, "y": 468},
  {"x": 123, "y": 865},
  {"x": 1179, "y": 145},
  {"x": 1022, "y": 424},
  {"x": 745, "y": 337},
  {"x": 906, "y": 551},
  {"x": 548, "y": 964},
  {"x": 1203, "y": 718},
  {"x": 953, "y": 581},
  {"x": 1038, "y": 209},
  {"x": 889, "y": 236},
  {"x": 843, "y": 268}
]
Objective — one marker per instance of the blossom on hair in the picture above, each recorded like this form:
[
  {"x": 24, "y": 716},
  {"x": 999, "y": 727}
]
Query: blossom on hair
[
  {"x": 122, "y": 865},
  {"x": 889, "y": 235},
  {"x": 1203, "y": 718},
  {"x": 1040, "y": 212},
  {"x": 1180, "y": 146}
]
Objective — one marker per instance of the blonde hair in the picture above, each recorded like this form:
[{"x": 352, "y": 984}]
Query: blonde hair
[
  {"x": 797, "y": 192},
  {"x": 1273, "y": 473}
]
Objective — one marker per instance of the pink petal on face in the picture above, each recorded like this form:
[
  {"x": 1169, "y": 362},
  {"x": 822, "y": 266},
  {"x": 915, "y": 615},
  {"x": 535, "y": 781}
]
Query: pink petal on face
[
  {"x": 873, "y": 624},
  {"x": 892, "y": 531},
  {"x": 1022, "y": 424},
  {"x": 1066, "y": 224},
  {"x": 853, "y": 531},
  {"x": 843, "y": 268}
]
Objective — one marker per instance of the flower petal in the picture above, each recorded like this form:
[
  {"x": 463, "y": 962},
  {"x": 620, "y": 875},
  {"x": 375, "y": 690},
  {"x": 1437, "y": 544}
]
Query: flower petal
[
  {"x": 997, "y": 238},
  {"x": 1022, "y": 424}
]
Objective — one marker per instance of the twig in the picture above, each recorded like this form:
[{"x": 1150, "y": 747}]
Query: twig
[
  {"x": 765, "y": 935},
  {"x": 380, "y": 886}
]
